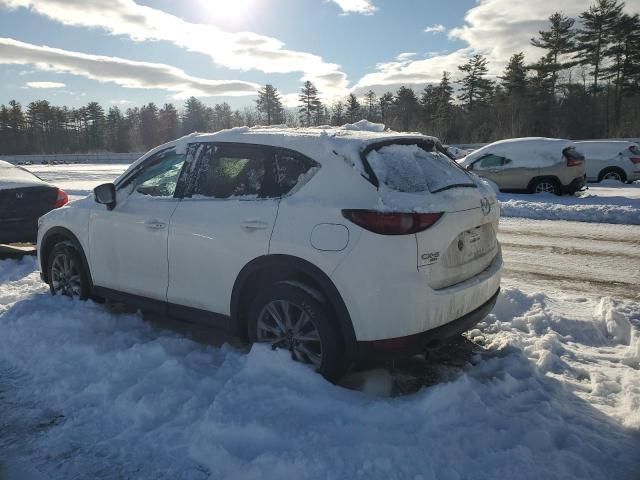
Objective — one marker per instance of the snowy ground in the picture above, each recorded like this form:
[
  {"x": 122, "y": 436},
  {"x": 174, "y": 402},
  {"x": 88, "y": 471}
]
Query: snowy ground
[{"x": 550, "y": 388}]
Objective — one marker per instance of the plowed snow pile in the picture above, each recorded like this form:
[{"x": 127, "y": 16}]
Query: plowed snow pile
[{"x": 85, "y": 393}]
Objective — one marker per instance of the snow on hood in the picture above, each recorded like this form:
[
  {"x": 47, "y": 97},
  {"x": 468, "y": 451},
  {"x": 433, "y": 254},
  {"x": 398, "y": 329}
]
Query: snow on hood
[{"x": 532, "y": 151}]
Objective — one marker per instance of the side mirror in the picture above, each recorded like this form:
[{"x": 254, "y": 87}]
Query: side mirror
[{"x": 106, "y": 195}]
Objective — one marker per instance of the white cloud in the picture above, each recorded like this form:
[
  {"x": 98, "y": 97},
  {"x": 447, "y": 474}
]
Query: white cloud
[
  {"x": 356, "y": 6},
  {"x": 494, "y": 28},
  {"x": 435, "y": 28},
  {"x": 123, "y": 72},
  {"x": 238, "y": 51},
  {"x": 45, "y": 84},
  {"x": 405, "y": 56}
]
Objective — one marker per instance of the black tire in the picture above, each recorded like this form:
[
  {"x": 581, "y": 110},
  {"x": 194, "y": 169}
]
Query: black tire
[
  {"x": 66, "y": 252},
  {"x": 612, "y": 172},
  {"x": 546, "y": 185},
  {"x": 333, "y": 364}
]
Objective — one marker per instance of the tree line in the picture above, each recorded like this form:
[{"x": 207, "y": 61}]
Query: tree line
[{"x": 586, "y": 84}]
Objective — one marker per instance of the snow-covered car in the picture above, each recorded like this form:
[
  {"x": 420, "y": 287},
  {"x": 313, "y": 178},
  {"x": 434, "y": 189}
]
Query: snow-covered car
[
  {"x": 24, "y": 197},
  {"x": 337, "y": 245},
  {"x": 611, "y": 160},
  {"x": 533, "y": 165}
]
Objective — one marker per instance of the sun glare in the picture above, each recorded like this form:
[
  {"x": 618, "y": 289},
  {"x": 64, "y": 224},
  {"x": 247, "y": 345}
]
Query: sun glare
[{"x": 230, "y": 10}]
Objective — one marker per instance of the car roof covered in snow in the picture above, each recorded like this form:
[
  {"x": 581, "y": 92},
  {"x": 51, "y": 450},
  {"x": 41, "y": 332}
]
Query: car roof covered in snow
[
  {"x": 347, "y": 140},
  {"x": 527, "y": 147},
  {"x": 604, "y": 149},
  {"x": 15, "y": 177}
]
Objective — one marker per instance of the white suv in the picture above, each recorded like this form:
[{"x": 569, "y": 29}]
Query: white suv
[
  {"x": 337, "y": 245},
  {"x": 611, "y": 160}
]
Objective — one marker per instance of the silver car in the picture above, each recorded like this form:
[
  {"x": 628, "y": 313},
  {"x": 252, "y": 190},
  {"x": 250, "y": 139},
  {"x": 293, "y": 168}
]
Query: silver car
[{"x": 532, "y": 165}]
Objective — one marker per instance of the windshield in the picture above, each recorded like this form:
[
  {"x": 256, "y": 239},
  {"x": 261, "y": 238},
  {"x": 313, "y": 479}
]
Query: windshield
[{"x": 412, "y": 168}]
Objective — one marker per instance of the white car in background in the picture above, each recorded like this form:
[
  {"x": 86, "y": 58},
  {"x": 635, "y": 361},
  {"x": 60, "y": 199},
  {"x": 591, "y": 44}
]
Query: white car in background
[
  {"x": 335, "y": 245},
  {"x": 611, "y": 160}
]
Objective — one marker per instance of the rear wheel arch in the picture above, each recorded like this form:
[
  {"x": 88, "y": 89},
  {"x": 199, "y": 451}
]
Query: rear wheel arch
[
  {"x": 50, "y": 239},
  {"x": 295, "y": 271},
  {"x": 618, "y": 170}
]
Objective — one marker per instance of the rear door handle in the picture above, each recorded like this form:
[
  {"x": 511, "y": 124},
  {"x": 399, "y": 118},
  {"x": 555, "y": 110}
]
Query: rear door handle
[
  {"x": 154, "y": 224},
  {"x": 252, "y": 224}
]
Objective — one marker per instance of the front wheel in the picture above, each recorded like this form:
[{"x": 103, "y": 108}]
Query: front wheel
[
  {"x": 66, "y": 272},
  {"x": 613, "y": 174},
  {"x": 287, "y": 317}
]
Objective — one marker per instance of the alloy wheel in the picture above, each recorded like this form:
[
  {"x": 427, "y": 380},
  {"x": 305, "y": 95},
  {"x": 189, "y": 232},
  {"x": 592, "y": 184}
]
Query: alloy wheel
[
  {"x": 284, "y": 324},
  {"x": 65, "y": 276},
  {"x": 545, "y": 187}
]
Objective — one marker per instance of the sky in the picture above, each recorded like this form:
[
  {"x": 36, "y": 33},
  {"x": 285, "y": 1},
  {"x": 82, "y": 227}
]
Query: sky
[{"x": 131, "y": 52}]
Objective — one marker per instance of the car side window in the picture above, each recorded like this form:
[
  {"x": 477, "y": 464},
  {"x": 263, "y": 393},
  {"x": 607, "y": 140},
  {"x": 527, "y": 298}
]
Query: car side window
[
  {"x": 159, "y": 177},
  {"x": 292, "y": 168},
  {"x": 233, "y": 171},
  {"x": 490, "y": 161}
]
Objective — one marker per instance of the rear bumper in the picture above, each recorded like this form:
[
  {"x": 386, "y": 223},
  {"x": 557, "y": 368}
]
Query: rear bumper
[
  {"x": 402, "y": 347},
  {"x": 18, "y": 230},
  {"x": 577, "y": 184}
]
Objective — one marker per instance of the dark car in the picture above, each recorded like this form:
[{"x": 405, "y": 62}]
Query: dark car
[{"x": 23, "y": 199}]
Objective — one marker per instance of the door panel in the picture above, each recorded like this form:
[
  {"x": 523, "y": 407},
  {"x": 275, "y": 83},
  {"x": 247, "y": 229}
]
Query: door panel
[
  {"x": 128, "y": 245},
  {"x": 224, "y": 223}
]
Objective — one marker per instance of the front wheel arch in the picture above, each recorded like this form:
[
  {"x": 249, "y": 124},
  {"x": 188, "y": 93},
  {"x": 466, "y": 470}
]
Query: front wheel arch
[
  {"x": 50, "y": 239},
  {"x": 621, "y": 173}
]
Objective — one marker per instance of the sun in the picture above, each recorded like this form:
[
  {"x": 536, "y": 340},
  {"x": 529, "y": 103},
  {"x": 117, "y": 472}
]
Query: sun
[{"x": 230, "y": 10}]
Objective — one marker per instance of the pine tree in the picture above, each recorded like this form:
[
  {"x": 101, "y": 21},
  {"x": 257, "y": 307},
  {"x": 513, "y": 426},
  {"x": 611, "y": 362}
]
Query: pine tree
[
  {"x": 475, "y": 89},
  {"x": 353, "y": 108},
  {"x": 514, "y": 78},
  {"x": 194, "y": 118},
  {"x": 169, "y": 121},
  {"x": 309, "y": 104},
  {"x": 337, "y": 113},
  {"x": 406, "y": 104},
  {"x": 558, "y": 42},
  {"x": 149, "y": 125},
  {"x": 598, "y": 29},
  {"x": 269, "y": 105},
  {"x": 371, "y": 104},
  {"x": 386, "y": 105}
]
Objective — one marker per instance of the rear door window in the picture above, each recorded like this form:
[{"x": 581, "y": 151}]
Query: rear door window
[
  {"x": 234, "y": 172},
  {"x": 416, "y": 168}
]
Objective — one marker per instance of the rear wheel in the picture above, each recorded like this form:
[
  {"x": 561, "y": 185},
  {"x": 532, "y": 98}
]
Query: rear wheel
[
  {"x": 287, "y": 317},
  {"x": 66, "y": 272},
  {"x": 612, "y": 174},
  {"x": 546, "y": 185}
]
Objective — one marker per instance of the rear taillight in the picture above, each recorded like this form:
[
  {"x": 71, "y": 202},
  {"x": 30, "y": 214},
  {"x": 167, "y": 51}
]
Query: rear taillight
[
  {"x": 574, "y": 162},
  {"x": 61, "y": 199},
  {"x": 391, "y": 223},
  {"x": 635, "y": 160}
]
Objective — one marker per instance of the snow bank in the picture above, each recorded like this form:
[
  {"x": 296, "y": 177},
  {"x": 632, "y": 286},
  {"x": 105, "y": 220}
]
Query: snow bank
[
  {"x": 87, "y": 393},
  {"x": 595, "y": 205}
]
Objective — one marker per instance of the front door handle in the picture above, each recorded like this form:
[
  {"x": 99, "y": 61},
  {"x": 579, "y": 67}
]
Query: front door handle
[
  {"x": 154, "y": 224},
  {"x": 252, "y": 224}
]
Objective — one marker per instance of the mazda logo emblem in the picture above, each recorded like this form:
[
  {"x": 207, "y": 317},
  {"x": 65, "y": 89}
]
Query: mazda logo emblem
[
  {"x": 19, "y": 195},
  {"x": 485, "y": 205}
]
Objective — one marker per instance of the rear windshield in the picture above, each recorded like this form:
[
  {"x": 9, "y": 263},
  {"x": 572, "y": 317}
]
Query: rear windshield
[
  {"x": 634, "y": 149},
  {"x": 412, "y": 168}
]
